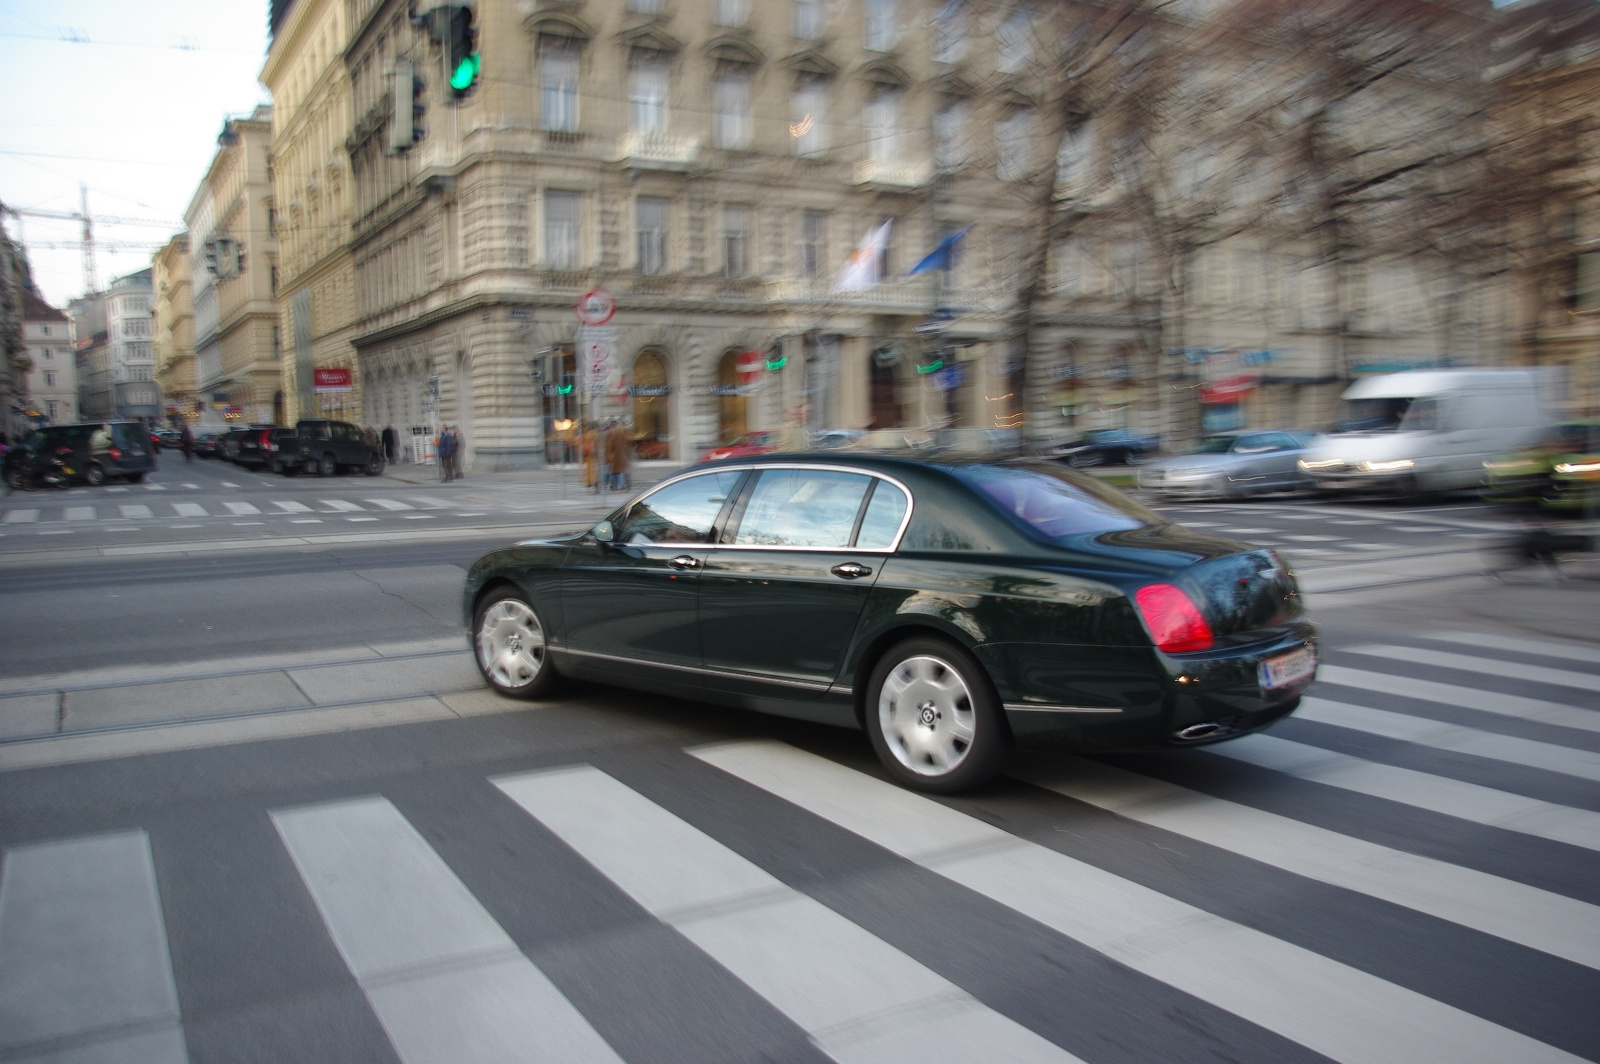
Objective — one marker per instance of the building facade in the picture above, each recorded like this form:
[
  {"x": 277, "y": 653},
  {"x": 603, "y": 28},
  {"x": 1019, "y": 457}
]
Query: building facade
[
  {"x": 233, "y": 270},
  {"x": 16, "y": 282},
  {"x": 172, "y": 330},
  {"x": 52, "y": 385},
  {"x": 310, "y": 87},
  {"x": 96, "y": 384}
]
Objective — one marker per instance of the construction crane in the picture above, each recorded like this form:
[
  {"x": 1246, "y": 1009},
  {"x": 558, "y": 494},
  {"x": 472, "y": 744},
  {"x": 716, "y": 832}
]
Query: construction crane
[{"x": 91, "y": 280}]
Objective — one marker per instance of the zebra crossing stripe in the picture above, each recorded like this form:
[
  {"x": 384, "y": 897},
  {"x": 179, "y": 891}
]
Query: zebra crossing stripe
[
  {"x": 1424, "y": 731},
  {"x": 1329, "y": 1007},
  {"x": 1549, "y": 648},
  {"x": 1538, "y": 919},
  {"x": 445, "y": 980},
  {"x": 1515, "y": 670},
  {"x": 22, "y": 517},
  {"x": 189, "y": 509},
  {"x": 861, "y": 1000},
  {"x": 78, "y": 513},
  {"x": 341, "y": 505},
  {"x": 289, "y": 506},
  {"x": 430, "y": 504},
  {"x": 241, "y": 508},
  {"x": 135, "y": 511},
  {"x": 84, "y": 969},
  {"x": 1449, "y": 694},
  {"x": 1420, "y": 790},
  {"x": 391, "y": 504}
]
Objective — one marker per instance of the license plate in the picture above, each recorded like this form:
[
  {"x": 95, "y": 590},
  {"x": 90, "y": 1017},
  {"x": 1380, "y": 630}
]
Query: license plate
[
  {"x": 68, "y": 470},
  {"x": 1290, "y": 668}
]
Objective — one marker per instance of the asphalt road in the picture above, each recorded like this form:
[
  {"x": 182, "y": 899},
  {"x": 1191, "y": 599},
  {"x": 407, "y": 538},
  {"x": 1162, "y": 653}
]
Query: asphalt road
[{"x": 257, "y": 807}]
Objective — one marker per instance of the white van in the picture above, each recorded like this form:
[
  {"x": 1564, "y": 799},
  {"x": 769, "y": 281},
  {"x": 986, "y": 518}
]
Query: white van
[{"x": 1425, "y": 430}]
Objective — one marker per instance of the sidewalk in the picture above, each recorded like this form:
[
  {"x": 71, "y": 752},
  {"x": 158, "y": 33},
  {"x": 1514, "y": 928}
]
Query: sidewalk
[{"x": 418, "y": 473}]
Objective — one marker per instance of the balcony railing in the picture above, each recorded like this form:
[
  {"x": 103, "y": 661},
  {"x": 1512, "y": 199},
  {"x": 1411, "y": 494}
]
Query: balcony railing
[
  {"x": 657, "y": 151},
  {"x": 889, "y": 173}
]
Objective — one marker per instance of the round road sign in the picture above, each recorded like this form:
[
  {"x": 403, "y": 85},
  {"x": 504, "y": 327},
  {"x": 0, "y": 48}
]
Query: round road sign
[
  {"x": 750, "y": 365},
  {"x": 596, "y": 307}
]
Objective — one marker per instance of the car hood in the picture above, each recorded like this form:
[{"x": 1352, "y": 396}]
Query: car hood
[{"x": 1352, "y": 447}]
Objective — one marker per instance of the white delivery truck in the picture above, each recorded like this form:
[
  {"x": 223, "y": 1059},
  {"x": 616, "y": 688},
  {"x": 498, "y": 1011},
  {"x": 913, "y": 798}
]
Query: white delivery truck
[{"x": 1425, "y": 430}]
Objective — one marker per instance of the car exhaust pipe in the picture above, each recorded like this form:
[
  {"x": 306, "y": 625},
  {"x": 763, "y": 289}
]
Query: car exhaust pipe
[{"x": 1195, "y": 732}]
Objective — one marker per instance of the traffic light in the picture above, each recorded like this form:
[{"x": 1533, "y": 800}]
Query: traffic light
[
  {"x": 463, "y": 45},
  {"x": 405, "y": 124}
]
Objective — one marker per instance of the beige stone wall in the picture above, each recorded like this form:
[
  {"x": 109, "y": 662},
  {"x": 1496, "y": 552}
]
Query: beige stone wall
[{"x": 173, "y": 326}]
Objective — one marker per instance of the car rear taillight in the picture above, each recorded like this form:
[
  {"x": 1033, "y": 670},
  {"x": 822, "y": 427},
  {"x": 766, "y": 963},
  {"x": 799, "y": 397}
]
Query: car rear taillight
[
  {"x": 1175, "y": 622},
  {"x": 116, "y": 453},
  {"x": 266, "y": 442}
]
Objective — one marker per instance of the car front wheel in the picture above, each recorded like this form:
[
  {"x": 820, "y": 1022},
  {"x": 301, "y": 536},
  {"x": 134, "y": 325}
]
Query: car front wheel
[
  {"x": 326, "y": 466},
  {"x": 933, "y": 717},
  {"x": 508, "y": 643},
  {"x": 95, "y": 475}
]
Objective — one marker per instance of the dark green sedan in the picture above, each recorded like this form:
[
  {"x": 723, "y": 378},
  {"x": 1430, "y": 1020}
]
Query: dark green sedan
[{"x": 949, "y": 609}]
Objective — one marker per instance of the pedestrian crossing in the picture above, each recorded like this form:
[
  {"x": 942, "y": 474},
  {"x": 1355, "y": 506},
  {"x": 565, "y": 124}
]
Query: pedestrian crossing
[
  {"x": 78, "y": 514},
  {"x": 1367, "y": 883},
  {"x": 1352, "y": 538}
]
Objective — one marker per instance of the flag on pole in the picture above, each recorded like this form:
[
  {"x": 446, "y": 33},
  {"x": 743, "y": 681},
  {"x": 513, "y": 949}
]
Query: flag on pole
[
  {"x": 865, "y": 266},
  {"x": 941, "y": 257}
]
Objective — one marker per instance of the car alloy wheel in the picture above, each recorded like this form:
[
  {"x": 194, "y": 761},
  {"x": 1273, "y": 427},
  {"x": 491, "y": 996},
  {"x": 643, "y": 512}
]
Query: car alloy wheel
[
  {"x": 509, "y": 646},
  {"x": 374, "y": 465},
  {"x": 933, "y": 717},
  {"x": 94, "y": 476},
  {"x": 327, "y": 467}
]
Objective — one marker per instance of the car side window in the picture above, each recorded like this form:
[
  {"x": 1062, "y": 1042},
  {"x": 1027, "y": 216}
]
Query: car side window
[
  {"x": 882, "y": 521},
  {"x": 681, "y": 512},
  {"x": 802, "y": 508},
  {"x": 1260, "y": 444}
]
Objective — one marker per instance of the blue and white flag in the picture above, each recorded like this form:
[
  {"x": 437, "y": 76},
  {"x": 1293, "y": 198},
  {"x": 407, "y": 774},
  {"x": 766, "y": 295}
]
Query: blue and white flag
[{"x": 941, "y": 257}]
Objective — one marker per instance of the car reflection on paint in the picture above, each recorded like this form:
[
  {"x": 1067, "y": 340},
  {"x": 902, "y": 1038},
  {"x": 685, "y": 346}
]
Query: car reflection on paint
[{"x": 946, "y": 608}]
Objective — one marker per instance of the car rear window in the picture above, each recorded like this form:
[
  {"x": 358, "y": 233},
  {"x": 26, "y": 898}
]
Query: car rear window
[
  {"x": 127, "y": 435},
  {"x": 1056, "y": 503}
]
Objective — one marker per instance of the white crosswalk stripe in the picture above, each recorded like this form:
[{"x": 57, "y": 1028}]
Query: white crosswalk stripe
[
  {"x": 1516, "y": 670},
  {"x": 189, "y": 509},
  {"x": 289, "y": 506},
  {"x": 341, "y": 505},
  {"x": 447, "y": 983},
  {"x": 1549, "y": 648},
  {"x": 155, "y": 487},
  {"x": 241, "y": 508},
  {"x": 20, "y": 517},
  {"x": 1550, "y": 757},
  {"x": 860, "y": 999},
  {"x": 430, "y": 504},
  {"x": 84, "y": 970},
  {"x": 1449, "y": 694},
  {"x": 1339, "y": 1011},
  {"x": 135, "y": 511},
  {"x": 391, "y": 504},
  {"x": 78, "y": 513},
  {"x": 1516, "y": 912},
  {"x": 1421, "y": 790}
]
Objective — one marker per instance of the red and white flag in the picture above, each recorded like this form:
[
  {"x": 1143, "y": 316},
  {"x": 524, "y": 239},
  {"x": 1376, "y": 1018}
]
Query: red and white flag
[{"x": 864, "y": 268}]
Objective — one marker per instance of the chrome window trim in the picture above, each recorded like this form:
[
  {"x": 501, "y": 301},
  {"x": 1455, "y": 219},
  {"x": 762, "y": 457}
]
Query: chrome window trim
[
  {"x": 1042, "y": 707},
  {"x": 730, "y": 674},
  {"x": 894, "y": 545}
]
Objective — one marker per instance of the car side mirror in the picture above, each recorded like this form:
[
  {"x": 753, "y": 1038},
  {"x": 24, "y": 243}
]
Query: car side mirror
[{"x": 604, "y": 532}]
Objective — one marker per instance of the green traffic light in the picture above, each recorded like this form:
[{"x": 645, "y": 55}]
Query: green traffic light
[
  {"x": 466, "y": 73},
  {"x": 564, "y": 389}
]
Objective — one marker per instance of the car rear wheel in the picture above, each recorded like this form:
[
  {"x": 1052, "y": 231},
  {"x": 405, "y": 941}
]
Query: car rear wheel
[
  {"x": 933, "y": 717},
  {"x": 374, "y": 465},
  {"x": 95, "y": 475},
  {"x": 326, "y": 466},
  {"x": 508, "y": 643}
]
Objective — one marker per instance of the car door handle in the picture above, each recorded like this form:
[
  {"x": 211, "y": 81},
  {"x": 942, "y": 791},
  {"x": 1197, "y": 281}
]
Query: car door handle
[
  {"x": 684, "y": 561},
  {"x": 850, "y": 570}
]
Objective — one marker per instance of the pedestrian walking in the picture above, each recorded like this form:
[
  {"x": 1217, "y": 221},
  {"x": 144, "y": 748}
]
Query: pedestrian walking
[
  {"x": 591, "y": 457},
  {"x": 443, "y": 447},
  {"x": 619, "y": 456},
  {"x": 458, "y": 449},
  {"x": 186, "y": 442},
  {"x": 389, "y": 441}
]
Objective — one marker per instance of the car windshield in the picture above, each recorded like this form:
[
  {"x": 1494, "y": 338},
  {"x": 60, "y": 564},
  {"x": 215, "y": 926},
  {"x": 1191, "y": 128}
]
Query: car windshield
[
  {"x": 1057, "y": 503},
  {"x": 1372, "y": 415},
  {"x": 1215, "y": 445}
]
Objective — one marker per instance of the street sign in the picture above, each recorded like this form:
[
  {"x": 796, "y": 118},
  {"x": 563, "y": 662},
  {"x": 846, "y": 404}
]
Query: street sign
[
  {"x": 940, "y": 320},
  {"x": 596, "y": 307},
  {"x": 751, "y": 364},
  {"x": 949, "y": 378},
  {"x": 599, "y": 362}
]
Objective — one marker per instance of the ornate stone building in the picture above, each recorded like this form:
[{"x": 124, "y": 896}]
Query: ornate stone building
[
  {"x": 310, "y": 86},
  {"x": 172, "y": 329}
]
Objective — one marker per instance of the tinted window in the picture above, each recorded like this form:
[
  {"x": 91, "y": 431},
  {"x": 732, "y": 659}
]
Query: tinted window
[
  {"x": 884, "y": 514},
  {"x": 1057, "y": 502},
  {"x": 802, "y": 508},
  {"x": 1257, "y": 444},
  {"x": 678, "y": 513}
]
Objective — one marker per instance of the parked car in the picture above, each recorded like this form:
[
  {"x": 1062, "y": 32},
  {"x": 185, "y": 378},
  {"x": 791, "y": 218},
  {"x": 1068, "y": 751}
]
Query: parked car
[
  {"x": 747, "y": 445},
  {"x": 833, "y": 439},
  {"x": 208, "y": 444},
  {"x": 1425, "y": 430},
  {"x": 1557, "y": 471},
  {"x": 242, "y": 444},
  {"x": 1231, "y": 465},
  {"x": 169, "y": 438},
  {"x": 129, "y": 457},
  {"x": 1107, "y": 447},
  {"x": 284, "y": 451},
  {"x": 325, "y": 447},
  {"x": 944, "y": 608}
]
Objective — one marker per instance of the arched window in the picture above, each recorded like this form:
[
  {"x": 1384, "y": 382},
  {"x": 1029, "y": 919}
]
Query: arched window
[
  {"x": 652, "y": 397},
  {"x": 733, "y": 406}
]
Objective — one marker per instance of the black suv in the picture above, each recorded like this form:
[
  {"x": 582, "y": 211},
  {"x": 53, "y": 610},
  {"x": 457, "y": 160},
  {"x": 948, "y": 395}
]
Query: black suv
[
  {"x": 128, "y": 457},
  {"x": 325, "y": 447},
  {"x": 248, "y": 446}
]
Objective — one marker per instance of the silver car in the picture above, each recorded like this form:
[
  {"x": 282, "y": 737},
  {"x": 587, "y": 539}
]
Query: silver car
[{"x": 1231, "y": 465}]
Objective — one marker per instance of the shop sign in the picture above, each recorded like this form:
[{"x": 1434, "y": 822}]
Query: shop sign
[
  {"x": 330, "y": 380},
  {"x": 732, "y": 389},
  {"x": 1226, "y": 390},
  {"x": 650, "y": 390}
]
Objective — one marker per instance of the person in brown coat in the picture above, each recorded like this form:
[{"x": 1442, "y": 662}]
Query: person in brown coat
[
  {"x": 619, "y": 456},
  {"x": 590, "y": 447}
]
